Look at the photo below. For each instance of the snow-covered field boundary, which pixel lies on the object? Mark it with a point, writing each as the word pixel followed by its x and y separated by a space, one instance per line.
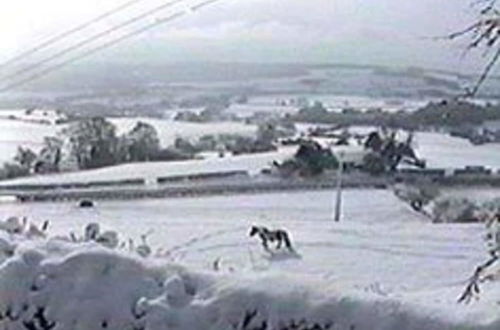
pixel 150 171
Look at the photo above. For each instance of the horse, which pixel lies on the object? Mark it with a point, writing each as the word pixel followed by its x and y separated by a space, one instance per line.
pixel 266 235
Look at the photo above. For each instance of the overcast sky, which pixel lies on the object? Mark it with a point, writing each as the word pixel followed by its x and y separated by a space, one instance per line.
pixel 395 32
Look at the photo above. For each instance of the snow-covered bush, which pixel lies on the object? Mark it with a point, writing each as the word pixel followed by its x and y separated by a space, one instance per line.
pixel 417 195
pixel 14 225
pixel 451 209
pixel 485 271
pixel 493 234
pixel 79 284
pixel 250 322
pixel 86 286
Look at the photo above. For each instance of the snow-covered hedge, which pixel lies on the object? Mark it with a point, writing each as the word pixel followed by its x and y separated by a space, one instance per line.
pixel 451 209
pixel 86 283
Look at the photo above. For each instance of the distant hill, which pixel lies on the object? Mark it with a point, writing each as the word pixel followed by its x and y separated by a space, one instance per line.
pixel 290 78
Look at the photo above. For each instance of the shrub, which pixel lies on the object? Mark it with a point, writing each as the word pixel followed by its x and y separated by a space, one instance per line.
pixel 13 170
pixel 454 209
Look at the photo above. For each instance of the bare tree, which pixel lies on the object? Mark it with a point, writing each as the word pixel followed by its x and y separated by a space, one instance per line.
pixel 480 275
pixel 484 35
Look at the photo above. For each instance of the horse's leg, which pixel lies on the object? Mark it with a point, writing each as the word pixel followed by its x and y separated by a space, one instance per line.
pixel 264 242
pixel 288 243
pixel 266 246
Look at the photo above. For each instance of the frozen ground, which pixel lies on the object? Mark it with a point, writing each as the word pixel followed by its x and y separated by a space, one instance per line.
pixel 339 102
pixel 17 133
pixel 169 130
pixel 444 151
pixel 440 151
pixel 381 267
pixel 14 133
pixel 252 163
pixel 247 110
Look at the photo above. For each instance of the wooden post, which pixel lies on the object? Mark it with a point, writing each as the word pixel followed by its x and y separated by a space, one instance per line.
pixel 338 201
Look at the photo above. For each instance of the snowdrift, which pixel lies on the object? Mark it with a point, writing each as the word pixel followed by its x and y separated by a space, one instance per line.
pixel 56 283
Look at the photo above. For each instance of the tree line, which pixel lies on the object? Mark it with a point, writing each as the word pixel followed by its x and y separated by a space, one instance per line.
pixel 89 144
pixel 438 114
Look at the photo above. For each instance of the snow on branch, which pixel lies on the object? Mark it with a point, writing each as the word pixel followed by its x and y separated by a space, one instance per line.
pixel 472 289
pixel 485 34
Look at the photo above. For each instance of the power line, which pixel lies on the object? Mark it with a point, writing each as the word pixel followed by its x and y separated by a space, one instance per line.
pixel 93 38
pixel 106 45
pixel 68 33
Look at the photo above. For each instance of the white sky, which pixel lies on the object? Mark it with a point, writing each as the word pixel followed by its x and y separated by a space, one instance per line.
pixel 352 31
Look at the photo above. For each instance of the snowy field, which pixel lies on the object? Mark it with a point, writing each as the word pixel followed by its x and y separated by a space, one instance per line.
pixel 439 150
pixel 253 163
pixel 388 268
pixel 15 133
pixel 247 110
pixel 444 151
pixel 169 130
pixel 339 102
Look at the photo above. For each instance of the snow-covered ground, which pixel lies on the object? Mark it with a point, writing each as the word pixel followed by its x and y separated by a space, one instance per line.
pixel 382 267
pixel 169 130
pixel 444 151
pixel 247 110
pixel 14 133
pixel 339 102
pixel 253 163
pixel 41 116
pixel 439 150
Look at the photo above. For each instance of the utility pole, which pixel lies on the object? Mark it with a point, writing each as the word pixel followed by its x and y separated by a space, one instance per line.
pixel 338 201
